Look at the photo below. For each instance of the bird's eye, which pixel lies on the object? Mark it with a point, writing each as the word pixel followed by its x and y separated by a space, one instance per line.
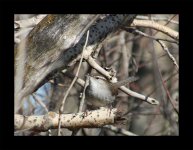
pixel 97 77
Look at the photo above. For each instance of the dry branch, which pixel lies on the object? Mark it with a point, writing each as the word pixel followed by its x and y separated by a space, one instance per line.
pixel 120 130
pixel 92 62
pixel 71 85
pixel 151 24
pixel 91 119
pixel 160 18
pixel 165 48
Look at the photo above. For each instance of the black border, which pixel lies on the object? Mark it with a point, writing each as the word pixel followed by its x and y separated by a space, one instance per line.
pixel 183 7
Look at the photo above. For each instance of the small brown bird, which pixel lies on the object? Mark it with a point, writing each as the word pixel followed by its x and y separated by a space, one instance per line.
pixel 100 92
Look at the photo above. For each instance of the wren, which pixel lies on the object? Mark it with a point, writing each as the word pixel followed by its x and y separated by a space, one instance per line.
pixel 101 93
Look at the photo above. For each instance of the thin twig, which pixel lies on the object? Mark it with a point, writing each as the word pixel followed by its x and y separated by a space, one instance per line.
pixel 169 54
pixel 83 95
pixel 135 31
pixel 40 102
pixel 80 109
pixel 44 106
pixel 170 98
pixel 120 130
pixel 138 32
pixel 74 80
pixel 92 62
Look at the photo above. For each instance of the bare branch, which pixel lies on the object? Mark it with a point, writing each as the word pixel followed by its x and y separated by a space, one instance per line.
pixel 40 102
pixel 159 41
pixel 91 62
pixel 151 24
pixel 91 119
pixel 162 18
pixel 74 80
pixel 138 32
pixel 169 54
pixel 83 95
pixel 119 130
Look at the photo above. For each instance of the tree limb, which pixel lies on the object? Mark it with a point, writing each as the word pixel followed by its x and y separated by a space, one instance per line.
pixel 91 119
pixel 151 24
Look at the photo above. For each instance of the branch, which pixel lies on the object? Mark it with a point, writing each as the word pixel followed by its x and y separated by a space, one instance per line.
pixel 151 24
pixel 120 130
pixel 138 32
pixel 160 18
pixel 91 119
pixel 91 62
pixel 80 109
pixel 74 80
pixel 40 102
pixel 165 48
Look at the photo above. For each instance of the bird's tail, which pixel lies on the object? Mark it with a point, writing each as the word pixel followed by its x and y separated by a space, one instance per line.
pixel 126 81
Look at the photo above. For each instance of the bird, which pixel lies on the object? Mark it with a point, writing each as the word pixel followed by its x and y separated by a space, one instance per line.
pixel 101 93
